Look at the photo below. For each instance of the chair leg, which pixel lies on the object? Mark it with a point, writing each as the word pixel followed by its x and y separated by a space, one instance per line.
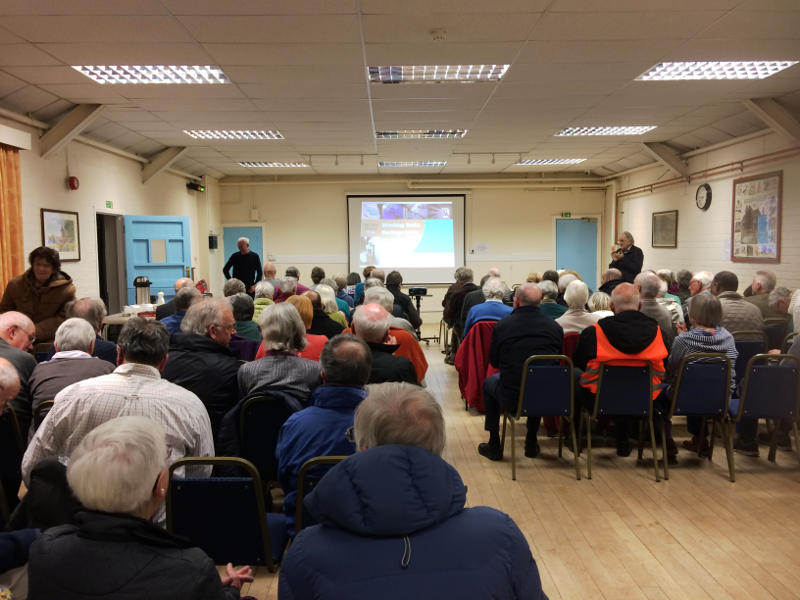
pixel 503 435
pixel 575 448
pixel 640 451
pixel 580 433
pixel 711 439
pixel 773 442
pixel 653 444
pixel 727 433
pixel 588 446
pixel 796 439
pixel 513 448
pixel 560 440
pixel 664 449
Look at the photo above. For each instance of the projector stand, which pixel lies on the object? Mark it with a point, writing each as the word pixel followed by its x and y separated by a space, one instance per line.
pixel 427 340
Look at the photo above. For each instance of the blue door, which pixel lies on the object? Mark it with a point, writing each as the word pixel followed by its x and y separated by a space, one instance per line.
pixel 158 247
pixel 576 248
pixel 231 234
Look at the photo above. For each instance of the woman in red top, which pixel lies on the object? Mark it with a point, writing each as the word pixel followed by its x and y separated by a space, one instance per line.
pixel 315 342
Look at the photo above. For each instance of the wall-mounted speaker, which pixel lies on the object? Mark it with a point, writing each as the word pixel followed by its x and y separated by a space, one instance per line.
pixel 213 242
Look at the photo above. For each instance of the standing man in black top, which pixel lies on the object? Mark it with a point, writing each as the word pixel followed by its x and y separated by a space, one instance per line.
pixel 627 258
pixel 246 266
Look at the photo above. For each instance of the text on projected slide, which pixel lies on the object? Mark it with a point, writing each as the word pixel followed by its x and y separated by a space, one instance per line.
pixel 411 234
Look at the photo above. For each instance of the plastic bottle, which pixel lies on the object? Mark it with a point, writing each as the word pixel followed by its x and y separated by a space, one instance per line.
pixel 160 300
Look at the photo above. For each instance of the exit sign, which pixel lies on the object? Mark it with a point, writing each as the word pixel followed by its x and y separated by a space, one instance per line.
pixel 109 204
pixel 566 215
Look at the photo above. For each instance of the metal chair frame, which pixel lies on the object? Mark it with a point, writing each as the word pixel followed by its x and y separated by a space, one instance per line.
pixel 787 342
pixel 302 484
pixel 527 369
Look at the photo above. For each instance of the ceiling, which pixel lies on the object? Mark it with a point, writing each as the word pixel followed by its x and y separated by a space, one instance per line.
pixel 299 66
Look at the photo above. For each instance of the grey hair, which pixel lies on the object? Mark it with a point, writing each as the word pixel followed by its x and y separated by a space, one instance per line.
pixel 264 289
pixel 15 318
pixel 346 360
pixel 399 413
pixel 705 309
pixel 767 280
pixel 292 272
pixel 662 287
pixel 242 306
pixel 684 277
pixel 379 295
pixel 778 294
pixel 628 235
pixel 463 274
pixel 185 297
pixel 143 341
pixel 330 283
pixel 115 465
pixel 233 286
pixel 648 283
pixel 92 310
pixel 243 239
pixel 704 277
pixel 493 289
pixel 288 284
pixel 9 380
pixel 369 330
pixel 373 282
pixel 282 328
pixel 599 301
pixel 564 281
pixel 204 314
pixel 327 298
pixel 576 294
pixel 75 334
pixel 549 289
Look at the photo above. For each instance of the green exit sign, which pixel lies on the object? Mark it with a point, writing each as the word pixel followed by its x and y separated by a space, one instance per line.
pixel 566 215
pixel 109 204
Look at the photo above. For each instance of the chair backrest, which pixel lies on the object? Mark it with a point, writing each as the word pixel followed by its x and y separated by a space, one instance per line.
pixel 312 471
pixel 569 343
pixel 225 516
pixel 260 422
pixel 624 390
pixel 41 412
pixel 771 389
pixel 748 344
pixel 775 329
pixel 787 342
pixel 703 385
pixel 548 387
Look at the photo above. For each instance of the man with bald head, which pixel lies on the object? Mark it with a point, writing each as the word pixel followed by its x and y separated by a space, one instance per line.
pixel 17 335
pixel 524 332
pixel 627 336
pixel 271 274
pixel 371 323
pixel 168 309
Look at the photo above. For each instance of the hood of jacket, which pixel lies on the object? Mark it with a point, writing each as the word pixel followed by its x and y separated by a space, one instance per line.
pixel 58 279
pixel 337 396
pixel 388 491
pixel 629 331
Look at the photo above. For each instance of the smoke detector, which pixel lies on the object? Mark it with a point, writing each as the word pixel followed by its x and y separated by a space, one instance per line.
pixel 438 34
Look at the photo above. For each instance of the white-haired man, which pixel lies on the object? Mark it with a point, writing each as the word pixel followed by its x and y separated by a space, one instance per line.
pixel 371 323
pixel 492 308
pixel 627 258
pixel 9 382
pixel 395 490
pixel 246 265
pixel 649 284
pixel 17 334
pixel 168 308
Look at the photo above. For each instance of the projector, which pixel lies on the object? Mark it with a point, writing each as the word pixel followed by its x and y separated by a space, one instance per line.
pixel 417 291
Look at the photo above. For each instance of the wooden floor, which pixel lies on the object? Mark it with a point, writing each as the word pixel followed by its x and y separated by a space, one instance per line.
pixel 621 534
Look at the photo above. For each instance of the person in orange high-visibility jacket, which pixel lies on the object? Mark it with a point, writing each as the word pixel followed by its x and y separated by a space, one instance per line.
pixel 627 338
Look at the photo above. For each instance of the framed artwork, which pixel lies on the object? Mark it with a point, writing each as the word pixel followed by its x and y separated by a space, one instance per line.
pixel 61 232
pixel 665 229
pixel 756 220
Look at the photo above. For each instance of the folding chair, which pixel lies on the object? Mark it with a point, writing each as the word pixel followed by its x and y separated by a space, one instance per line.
pixel 703 389
pixel 787 342
pixel 771 391
pixel 625 391
pixel 547 389
pixel 260 422
pixel 748 344
pixel 41 413
pixel 225 516
pixel 312 471
pixel 568 345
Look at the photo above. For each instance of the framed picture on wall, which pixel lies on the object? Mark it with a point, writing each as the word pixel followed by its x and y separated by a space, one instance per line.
pixel 756 221
pixel 60 231
pixel 665 229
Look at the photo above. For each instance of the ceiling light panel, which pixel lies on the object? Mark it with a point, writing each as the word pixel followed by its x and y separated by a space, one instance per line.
pixel 273 165
pixel 436 73
pixel 672 71
pixel 548 161
pixel 417 134
pixel 607 130
pixel 233 134
pixel 417 163
pixel 148 74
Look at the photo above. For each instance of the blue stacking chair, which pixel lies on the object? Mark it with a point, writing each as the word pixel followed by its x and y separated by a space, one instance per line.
pixel 625 391
pixel 748 344
pixel 260 422
pixel 703 389
pixel 312 471
pixel 775 330
pixel 771 391
pixel 226 516
pixel 548 390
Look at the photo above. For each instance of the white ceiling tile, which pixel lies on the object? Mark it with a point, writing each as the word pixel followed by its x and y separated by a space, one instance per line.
pixel 757 25
pixel 74 28
pixel 53 110
pixel 9 84
pixel 739 48
pixel 28 99
pixel 285 54
pixel 127 53
pixel 81 7
pixel 71 91
pixel 276 29
pixel 640 5
pixel 450 53
pixel 331 74
pixel 259 7
pixel 146 147
pixel 46 75
pixel 591 50
pixel 195 105
pixel 459 27
pixel 24 54
pixel 6 37
pixel 305 89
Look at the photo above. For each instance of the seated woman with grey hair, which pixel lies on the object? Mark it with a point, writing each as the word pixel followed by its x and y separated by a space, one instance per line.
pixel 577 318
pixel 492 309
pixel 284 336
pixel 119 473
pixel 549 307
pixel 243 309
pixel 327 297
pixel 600 304
pixel 263 297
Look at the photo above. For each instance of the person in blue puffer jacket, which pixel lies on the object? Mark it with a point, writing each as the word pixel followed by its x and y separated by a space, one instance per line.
pixel 393 524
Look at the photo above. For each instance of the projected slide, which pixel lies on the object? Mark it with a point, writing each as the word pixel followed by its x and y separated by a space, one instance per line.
pixel 414 234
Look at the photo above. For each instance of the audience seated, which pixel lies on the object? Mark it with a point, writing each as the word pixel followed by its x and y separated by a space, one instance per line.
pixel 287 287
pixel 168 308
pixel 629 336
pixel 270 275
pixel 371 323
pixel 317 275
pixel 472 298
pixel 737 313
pixel 320 429
pixel 700 284
pixel 669 284
pixel 200 359
pixel 343 290
pixel 358 292
pixel 93 310
pixel 600 304
pixel 72 362
pixel 17 334
pixel 233 286
pixel 648 284
pixel 611 279
pixel 577 318
pixel 564 279
pixel 281 368
pixel 294 273
pixel 398 488
pixel 394 283
pixel 112 471
pixel 327 298
pixel 341 304
pixel 526 331
pixel 548 306
pixel 463 278
pixel 264 291
pixel 184 298
pixel 492 309
pixel 682 281
pixel 322 323
pixel 243 310
pixel 763 283
pixel 9 383
pixel 671 304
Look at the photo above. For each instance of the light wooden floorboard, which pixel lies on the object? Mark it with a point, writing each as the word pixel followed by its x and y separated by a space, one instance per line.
pixel 621 534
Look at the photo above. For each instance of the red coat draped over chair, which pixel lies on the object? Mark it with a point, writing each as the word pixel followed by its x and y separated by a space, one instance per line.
pixel 472 363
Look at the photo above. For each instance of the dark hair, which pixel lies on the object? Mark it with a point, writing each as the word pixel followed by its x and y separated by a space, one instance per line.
pixel 684 278
pixel 727 281
pixel 242 306
pixel 143 341
pixel 316 302
pixel 293 272
pixel 184 297
pixel 353 278
pixel 317 274
pixel 706 310
pixel 48 254
pixel 346 360
pixel 550 275
pixel 394 279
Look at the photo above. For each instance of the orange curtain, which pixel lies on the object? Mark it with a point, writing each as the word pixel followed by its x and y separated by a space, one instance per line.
pixel 12 259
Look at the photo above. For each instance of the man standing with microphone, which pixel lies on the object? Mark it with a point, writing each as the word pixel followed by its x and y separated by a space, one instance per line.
pixel 627 258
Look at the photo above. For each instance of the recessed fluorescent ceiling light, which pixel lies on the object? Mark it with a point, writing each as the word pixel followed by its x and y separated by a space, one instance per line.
pixel 756 69
pixel 418 163
pixel 548 161
pixel 436 73
pixel 276 165
pixel 233 134
pixel 124 74
pixel 613 130
pixel 421 134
